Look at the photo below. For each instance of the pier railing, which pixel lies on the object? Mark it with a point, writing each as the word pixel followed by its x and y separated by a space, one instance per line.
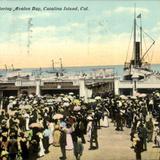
pixel 27 83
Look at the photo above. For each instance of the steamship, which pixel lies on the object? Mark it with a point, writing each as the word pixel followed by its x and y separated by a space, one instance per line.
pixel 138 76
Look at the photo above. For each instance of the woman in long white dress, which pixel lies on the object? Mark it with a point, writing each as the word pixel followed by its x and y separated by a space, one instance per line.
pixel 27 117
pixel 104 120
pixel 157 136
pixel 69 140
pixel 89 128
pixel 42 150
pixel 51 128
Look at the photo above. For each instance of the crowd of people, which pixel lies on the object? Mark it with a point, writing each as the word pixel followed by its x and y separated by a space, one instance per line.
pixel 142 115
pixel 29 124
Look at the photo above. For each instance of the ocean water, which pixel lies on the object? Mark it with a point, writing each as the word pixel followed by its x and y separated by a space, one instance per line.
pixel 117 69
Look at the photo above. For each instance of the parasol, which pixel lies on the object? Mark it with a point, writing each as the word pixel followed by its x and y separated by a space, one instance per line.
pixel 57 116
pixel 98 98
pixel 65 99
pixel 77 108
pixel 31 96
pixel 71 93
pixel 142 95
pixel 11 97
pixel 65 104
pixel 133 97
pixel 36 125
pixel 70 97
pixel 123 97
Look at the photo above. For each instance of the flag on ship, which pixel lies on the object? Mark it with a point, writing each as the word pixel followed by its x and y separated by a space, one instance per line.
pixel 139 16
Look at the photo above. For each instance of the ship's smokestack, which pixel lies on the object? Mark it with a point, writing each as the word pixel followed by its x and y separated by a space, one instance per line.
pixel 137 55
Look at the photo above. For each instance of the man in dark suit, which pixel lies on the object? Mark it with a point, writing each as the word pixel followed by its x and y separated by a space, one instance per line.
pixel 149 127
pixel 63 143
pixel 138 149
pixel 142 133
pixel 94 135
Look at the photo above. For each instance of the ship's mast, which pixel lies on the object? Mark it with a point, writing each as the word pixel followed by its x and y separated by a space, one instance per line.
pixel 52 64
pixel 61 66
pixel 134 41
pixel 140 37
pixel 6 67
pixel 12 67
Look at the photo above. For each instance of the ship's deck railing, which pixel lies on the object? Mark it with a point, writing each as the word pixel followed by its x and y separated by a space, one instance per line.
pixel 148 85
pixel 139 84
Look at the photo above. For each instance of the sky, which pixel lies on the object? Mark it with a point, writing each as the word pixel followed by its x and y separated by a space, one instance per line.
pixel 97 33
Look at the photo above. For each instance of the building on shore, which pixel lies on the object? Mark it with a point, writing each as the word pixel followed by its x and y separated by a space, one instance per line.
pixel 83 87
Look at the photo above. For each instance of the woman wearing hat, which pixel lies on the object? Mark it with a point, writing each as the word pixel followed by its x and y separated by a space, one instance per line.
pixel 89 127
pixel 69 140
pixel 56 135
